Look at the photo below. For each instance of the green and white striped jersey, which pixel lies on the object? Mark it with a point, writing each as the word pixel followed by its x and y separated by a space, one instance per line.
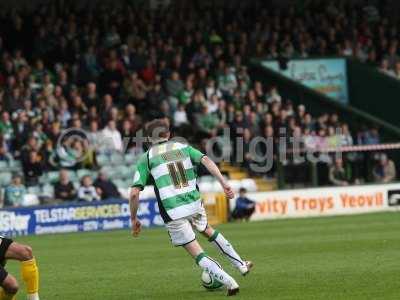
pixel 171 168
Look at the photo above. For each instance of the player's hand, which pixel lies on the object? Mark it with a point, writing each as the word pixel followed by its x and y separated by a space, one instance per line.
pixel 228 191
pixel 136 227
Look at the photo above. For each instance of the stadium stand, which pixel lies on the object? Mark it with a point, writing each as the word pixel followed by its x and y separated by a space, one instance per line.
pixel 111 67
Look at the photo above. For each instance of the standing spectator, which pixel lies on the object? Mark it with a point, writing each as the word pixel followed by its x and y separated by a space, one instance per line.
pixel 64 189
pixel 338 174
pixel 385 170
pixel 14 193
pixel 33 168
pixel 244 206
pixel 105 187
pixel 87 191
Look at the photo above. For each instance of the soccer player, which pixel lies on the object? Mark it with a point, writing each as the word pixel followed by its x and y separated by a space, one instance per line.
pixel 29 270
pixel 171 167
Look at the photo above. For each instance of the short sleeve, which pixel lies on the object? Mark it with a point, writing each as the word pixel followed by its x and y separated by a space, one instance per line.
pixel 142 173
pixel 195 155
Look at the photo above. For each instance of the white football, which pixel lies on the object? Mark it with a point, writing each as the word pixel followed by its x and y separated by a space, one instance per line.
pixel 210 282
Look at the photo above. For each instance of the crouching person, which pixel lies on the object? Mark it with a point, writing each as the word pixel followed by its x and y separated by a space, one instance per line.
pixel 244 206
pixel 10 250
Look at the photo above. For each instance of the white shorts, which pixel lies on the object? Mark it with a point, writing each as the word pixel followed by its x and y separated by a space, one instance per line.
pixel 181 230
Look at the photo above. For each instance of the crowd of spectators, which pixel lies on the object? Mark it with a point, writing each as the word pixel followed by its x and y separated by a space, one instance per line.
pixel 109 69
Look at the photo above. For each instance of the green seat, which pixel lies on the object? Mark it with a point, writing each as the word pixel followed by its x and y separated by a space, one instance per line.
pixel 48 190
pixel 117 159
pixel 84 172
pixel 3 166
pixel 130 158
pixel 118 182
pixel 124 171
pixel 44 179
pixel 128 182
pixel 206 178
pixel 72 175
pixel 53 176
pixel 5 178
pixel 111 172
pixel 76 185
pixel 102 160
pixel 14 165
pixel 34 190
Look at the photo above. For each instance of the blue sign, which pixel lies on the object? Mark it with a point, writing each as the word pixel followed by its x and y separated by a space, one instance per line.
pixel 327 76
pixel 76 217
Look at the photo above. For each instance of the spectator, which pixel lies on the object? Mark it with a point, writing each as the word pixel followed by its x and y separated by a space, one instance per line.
pixel 112 137
pixel 207 122
pixel 33 168
pixel 105 187
pixel 338 175
pixel 174 85
pixel 385 68
pixel 4 155
pixel 385 170
pixel 64 189
pixel 368 136
pixel 87 191
pixel 244 206
pixel 6 128
pixel 180 116
pixel 227 82
pixel 14 193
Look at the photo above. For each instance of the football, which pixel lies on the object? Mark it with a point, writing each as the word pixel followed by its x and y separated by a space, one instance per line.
pixel 209 282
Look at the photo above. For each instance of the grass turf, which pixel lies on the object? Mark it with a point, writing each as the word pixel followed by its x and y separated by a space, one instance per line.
pixel 352 257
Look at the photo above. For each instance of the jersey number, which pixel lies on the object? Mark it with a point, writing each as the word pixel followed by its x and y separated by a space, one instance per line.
pixel 178 175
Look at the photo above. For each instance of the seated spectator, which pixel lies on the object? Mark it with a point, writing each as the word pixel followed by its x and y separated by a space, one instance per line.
pixel 105 187
pixel 385 170
pixel 338 174
pixel 227 81
pixel 244 206
pixel 87 191
pixel 373 137
pixel 180 116
pixel 112 137
pixel 14 193
pixel 207 122
pixel 64 189
pixel 4 155
pixel 33 168
pixel 174 85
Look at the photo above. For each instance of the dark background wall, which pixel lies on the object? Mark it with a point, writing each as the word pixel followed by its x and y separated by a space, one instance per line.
pixel 374 92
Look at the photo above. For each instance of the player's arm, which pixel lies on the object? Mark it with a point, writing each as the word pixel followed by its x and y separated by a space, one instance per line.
pixel 198 157
pixel 214 170
pixel 139 182
pixel 134 205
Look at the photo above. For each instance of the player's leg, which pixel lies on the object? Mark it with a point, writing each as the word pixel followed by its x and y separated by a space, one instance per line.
pixel 211 266
pixel 182 234
pixel 9 285
pixel 199 221
pixel 29 268
pixel 226 249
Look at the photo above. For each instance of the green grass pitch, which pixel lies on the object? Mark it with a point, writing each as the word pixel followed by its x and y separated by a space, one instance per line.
pixel 352 257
